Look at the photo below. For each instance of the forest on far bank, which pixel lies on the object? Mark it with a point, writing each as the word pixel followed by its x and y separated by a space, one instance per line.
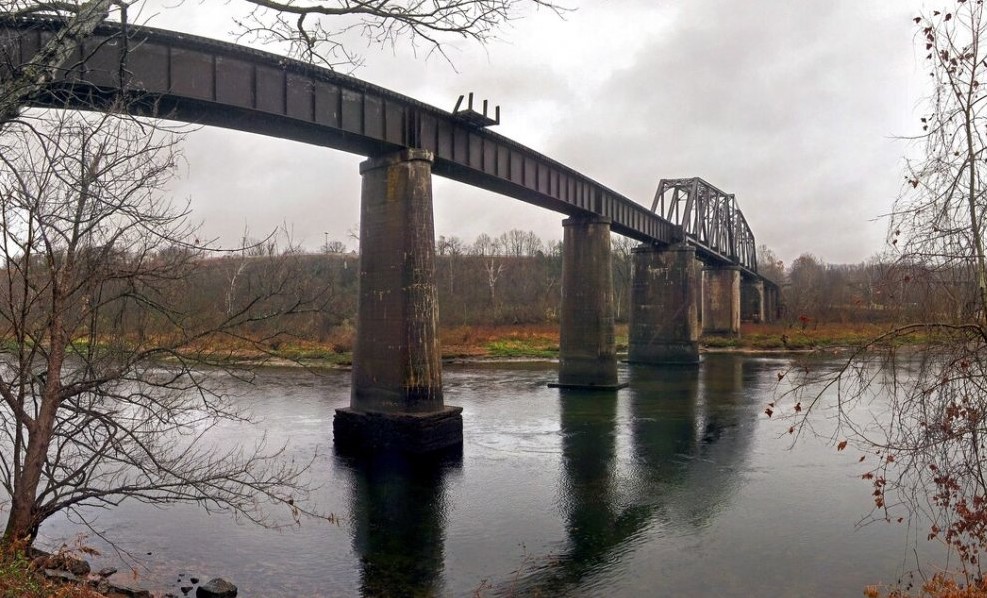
pixel 514 279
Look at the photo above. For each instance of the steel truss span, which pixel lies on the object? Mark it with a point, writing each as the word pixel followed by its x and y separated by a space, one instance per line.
pixel 710 218
pixel 182 77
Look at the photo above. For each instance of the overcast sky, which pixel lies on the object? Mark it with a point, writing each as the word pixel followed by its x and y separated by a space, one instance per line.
pixel 795 106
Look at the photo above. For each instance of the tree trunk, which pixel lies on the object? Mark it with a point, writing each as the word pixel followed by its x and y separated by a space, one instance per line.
pixel 40 70
pixel 25 518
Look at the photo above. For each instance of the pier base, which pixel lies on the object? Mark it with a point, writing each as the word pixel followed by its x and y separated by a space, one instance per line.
pixel 360 431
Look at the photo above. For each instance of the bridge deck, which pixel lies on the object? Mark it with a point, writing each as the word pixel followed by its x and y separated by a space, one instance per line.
pixel 194 79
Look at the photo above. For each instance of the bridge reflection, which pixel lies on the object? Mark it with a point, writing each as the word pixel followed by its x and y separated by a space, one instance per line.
pixel 398 510
pixel 664 458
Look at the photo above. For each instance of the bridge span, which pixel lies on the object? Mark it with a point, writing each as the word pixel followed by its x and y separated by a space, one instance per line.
pixel 697 258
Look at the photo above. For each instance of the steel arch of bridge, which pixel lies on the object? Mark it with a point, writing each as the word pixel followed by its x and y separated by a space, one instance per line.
pixel 709 217
pixel 183 77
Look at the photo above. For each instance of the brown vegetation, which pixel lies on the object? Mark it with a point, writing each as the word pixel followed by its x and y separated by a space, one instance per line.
pixel 20 579
pixel 500 297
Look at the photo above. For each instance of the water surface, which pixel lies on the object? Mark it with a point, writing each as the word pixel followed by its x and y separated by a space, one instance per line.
pixel 675 486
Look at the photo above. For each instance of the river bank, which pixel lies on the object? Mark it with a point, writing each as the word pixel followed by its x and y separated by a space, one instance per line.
pixel 464 344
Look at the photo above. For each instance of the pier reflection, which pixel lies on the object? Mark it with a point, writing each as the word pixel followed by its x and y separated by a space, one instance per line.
pixel 662 455
pixel 398 508
pixel 588 492
pixel 692 435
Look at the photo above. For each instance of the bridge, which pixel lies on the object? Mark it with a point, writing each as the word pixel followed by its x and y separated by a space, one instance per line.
pixel 696 262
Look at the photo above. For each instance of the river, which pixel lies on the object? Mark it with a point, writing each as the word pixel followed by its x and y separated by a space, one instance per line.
pixel 678 485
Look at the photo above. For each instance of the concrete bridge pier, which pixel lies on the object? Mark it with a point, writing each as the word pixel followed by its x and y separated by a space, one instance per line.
pixel 396 400
pixel 772 309
pixel 699 267
pixel 664 325
pixel 587 347
pixel 721 301
pixel 752 301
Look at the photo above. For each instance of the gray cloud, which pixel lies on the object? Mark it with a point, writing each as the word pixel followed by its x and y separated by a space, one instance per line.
pixel 792 105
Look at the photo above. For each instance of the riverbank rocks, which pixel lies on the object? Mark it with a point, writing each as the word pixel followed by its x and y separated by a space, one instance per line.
pixel 117 590
pixel 216 588
pixel 61 561
pixel 65 568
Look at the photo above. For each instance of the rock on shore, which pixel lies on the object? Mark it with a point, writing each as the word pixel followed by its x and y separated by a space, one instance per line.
pixel 216 588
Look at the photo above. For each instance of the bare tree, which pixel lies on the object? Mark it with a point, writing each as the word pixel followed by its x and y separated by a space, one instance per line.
pixel 519 243
pixel 335 246
pixel 623 268
pixel 494 268
pixel 24 83
pixel 926 447
pixel 314 30
pixel 102 393
pixel 805 294
pixel 483 246
pixel 452 246
pixel 769 266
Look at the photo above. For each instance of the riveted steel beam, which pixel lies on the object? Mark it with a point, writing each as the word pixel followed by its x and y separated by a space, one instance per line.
pixel 183 77
pixel 710 219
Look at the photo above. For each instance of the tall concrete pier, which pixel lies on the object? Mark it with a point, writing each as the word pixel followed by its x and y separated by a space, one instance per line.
pixel 396 400
pixel 664 326
pixel 721 301
pixel 772 307
pixel 587 347
pixel 752 304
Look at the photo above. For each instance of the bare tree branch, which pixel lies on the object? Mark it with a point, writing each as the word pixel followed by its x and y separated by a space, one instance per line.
pixel 103 350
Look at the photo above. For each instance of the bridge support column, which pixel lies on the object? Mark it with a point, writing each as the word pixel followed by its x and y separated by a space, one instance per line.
pixel 587 348
pixel 752 301
pixel 396 400
pixel 699 267
pixel 721 301
pixel 771 307
pixel 664 325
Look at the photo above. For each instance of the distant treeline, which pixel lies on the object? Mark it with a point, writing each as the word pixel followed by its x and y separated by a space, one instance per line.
pixel 879 290
pixel 516 278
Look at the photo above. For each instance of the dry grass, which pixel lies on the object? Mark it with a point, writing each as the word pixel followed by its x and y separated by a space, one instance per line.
pixel 530 340
pixel 18 580
pixel 779 336
pixel 941 585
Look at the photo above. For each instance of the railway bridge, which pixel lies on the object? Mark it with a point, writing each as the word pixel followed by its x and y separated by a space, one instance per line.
pixel 696 261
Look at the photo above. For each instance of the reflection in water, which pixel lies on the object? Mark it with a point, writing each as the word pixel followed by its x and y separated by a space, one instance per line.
pixel 678 418
pixel 399 508
pixel 668 416
pixel 665 488
pixel 692 435
pixel 589 486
